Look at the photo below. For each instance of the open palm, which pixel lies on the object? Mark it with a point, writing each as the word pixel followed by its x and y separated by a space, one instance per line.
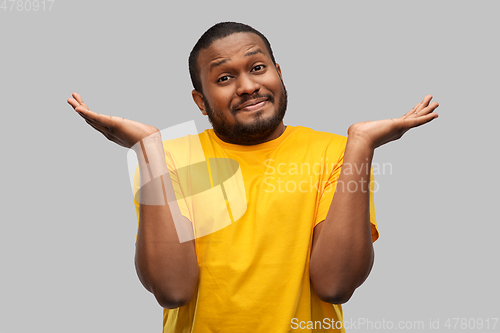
pixel 122 131
pixel 380 132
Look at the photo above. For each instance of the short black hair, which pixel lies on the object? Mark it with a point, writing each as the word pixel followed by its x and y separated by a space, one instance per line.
pixel 216 32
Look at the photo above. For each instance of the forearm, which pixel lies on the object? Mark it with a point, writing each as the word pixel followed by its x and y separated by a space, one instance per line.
pixel 165 266
pixel 342 256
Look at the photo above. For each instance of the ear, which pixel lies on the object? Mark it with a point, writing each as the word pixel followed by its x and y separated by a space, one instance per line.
pixel 278 69
pixel 198 99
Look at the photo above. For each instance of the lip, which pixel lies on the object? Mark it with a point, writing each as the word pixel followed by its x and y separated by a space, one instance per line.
pixel 253 104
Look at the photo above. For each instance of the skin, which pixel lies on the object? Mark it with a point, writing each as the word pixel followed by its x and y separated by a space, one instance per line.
pixel 342 251
pixel 237 71
pixel 166 267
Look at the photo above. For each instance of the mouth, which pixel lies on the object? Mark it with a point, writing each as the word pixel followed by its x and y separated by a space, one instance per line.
pixel 252 105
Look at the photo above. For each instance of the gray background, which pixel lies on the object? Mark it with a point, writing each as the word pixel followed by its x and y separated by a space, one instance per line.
pixel 68 220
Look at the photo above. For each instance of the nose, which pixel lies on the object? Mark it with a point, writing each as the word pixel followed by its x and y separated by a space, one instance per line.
pixel 246 84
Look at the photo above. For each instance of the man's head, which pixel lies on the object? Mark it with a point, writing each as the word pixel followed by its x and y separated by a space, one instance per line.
pixel 238 84
pixel 216 32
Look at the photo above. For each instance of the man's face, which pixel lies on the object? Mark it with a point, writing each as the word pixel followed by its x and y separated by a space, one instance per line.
pixel 243 93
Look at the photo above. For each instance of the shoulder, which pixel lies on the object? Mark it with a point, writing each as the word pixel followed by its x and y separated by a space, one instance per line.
pixel 186 140
pixel 313 137
pixel 184 150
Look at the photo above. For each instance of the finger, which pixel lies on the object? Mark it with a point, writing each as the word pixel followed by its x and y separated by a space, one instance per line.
pixel 428 109
pixel 417 110
pixel 95 123
pixel 73 102
pixel 77 97
pixel 99 128
pixel 424 103
pixel 108 121
pixel 79 100
pixel 423 119
pixel 93 120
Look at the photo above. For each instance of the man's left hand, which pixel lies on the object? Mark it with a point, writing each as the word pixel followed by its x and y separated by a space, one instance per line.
pixel 380 132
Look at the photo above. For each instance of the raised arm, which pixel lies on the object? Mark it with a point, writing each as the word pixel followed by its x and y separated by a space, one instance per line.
pixel 166 267
pixel 342 251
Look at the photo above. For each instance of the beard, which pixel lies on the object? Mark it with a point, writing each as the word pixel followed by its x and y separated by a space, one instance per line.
pixel 246 134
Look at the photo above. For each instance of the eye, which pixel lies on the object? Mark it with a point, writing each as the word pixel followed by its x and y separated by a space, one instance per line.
pixel 258 68
pixel 223 78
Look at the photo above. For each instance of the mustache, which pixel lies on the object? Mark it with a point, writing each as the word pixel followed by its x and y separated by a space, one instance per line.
pixel 247 98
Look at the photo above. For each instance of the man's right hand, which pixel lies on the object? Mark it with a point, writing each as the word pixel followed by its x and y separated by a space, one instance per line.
pixel 165 266
pixel 122 131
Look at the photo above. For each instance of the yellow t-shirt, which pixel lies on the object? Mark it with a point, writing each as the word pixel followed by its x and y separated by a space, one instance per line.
pixel 254 271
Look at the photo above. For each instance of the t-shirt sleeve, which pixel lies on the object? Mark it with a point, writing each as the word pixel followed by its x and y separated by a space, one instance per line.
pixel 328 191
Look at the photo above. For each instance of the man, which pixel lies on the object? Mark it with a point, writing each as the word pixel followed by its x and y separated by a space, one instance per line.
pixel 304 242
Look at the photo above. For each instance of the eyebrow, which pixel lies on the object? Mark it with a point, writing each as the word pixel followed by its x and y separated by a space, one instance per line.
pixel 218 63
pixel 222 61
pixel 254 52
